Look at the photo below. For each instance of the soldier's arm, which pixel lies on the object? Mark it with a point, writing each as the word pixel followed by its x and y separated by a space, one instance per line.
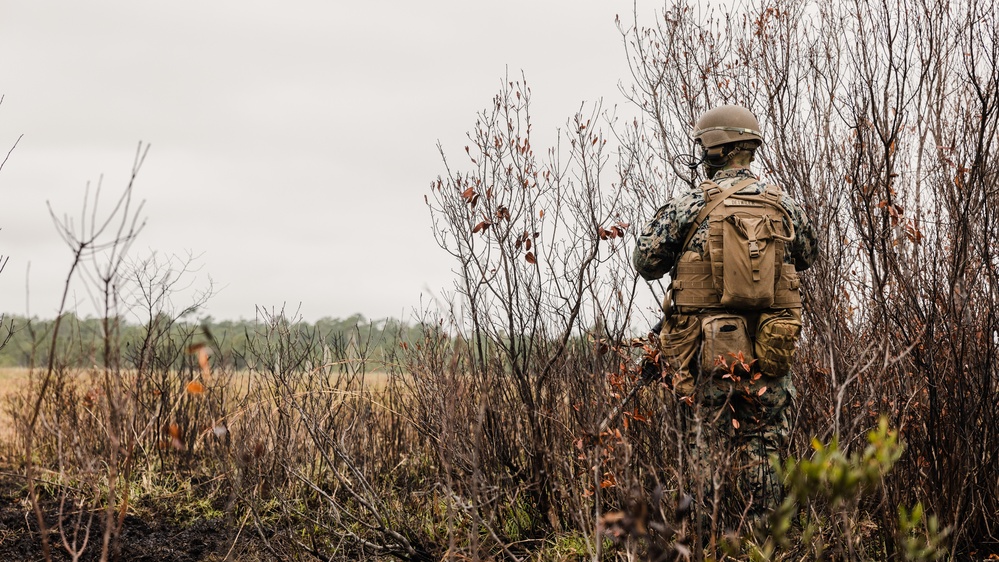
pixel 656 249
pixel 805 247
pixel 660 242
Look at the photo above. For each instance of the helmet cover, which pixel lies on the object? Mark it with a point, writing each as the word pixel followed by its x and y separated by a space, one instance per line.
pixel 727 124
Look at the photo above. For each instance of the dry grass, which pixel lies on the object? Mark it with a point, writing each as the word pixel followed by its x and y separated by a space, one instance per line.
pixel 12 379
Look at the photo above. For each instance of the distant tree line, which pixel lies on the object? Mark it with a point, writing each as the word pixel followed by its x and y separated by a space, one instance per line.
pixel 30 342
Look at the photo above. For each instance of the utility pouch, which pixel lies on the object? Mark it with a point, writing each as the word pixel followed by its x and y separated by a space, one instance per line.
pixel 776 339
pixel 726 345
pixel 678 341
pixel 747 262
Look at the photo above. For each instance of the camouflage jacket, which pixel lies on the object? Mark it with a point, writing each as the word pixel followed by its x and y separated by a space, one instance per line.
pixel 659 243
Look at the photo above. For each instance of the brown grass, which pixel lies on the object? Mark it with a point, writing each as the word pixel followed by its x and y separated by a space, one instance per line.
pixel 12 379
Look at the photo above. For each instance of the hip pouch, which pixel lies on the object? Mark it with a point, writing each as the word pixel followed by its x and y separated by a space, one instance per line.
pixel 727 347
pixel 776 339
pixel 678 341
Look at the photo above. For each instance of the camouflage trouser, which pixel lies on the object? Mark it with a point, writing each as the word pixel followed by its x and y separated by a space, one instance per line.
pixel 734 421
pixel 730 443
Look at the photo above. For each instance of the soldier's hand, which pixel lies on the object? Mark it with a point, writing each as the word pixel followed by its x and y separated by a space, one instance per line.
pixel 651 370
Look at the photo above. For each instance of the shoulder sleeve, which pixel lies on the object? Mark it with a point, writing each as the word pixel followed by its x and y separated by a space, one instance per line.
pixel 805 247
pixel 659 243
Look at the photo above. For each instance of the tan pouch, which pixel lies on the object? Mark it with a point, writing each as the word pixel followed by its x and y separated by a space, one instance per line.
pixel 748 281
pixel 777 336
pixel 726 342
pixel 678 341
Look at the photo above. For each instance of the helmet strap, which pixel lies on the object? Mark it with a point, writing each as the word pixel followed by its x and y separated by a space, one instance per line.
pixel 718 157
pixel 714 159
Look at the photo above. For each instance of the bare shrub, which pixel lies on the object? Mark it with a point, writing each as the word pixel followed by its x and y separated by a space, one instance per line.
pixel 102 417
pixel 881 117
pixel 511 426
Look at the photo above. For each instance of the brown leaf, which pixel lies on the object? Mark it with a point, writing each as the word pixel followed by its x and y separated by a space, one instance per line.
pixel 206 370
pixel 481 226
pixel 530 258
pixel 195 387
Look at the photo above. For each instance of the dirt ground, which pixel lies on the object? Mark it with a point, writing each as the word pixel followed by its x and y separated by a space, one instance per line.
pixel 151 539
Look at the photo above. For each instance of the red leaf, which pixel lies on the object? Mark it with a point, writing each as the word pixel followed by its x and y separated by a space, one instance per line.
pixel 530 258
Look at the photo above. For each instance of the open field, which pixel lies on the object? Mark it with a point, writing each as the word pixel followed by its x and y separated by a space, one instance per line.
pixel 12 379
pixel 175 512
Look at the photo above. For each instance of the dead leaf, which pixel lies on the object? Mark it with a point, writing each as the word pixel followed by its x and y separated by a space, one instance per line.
pixel 530 258
pixel 195 387
pixel 174 431
pixel 206 370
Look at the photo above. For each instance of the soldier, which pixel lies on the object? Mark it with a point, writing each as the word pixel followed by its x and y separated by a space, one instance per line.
pixel 732 248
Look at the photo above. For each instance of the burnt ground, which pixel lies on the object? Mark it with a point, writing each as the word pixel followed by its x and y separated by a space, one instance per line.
pixel 151 538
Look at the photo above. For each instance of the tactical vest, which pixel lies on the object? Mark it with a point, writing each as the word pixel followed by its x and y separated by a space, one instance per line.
pixel 745 269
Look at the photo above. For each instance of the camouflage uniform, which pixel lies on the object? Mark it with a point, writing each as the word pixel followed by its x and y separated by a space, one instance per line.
pixel 659 244
pixel 738 423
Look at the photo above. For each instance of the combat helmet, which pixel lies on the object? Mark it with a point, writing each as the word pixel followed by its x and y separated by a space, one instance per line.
pixel 727 124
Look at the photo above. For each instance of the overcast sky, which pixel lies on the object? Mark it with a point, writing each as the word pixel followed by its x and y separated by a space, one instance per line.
pixel 291 143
